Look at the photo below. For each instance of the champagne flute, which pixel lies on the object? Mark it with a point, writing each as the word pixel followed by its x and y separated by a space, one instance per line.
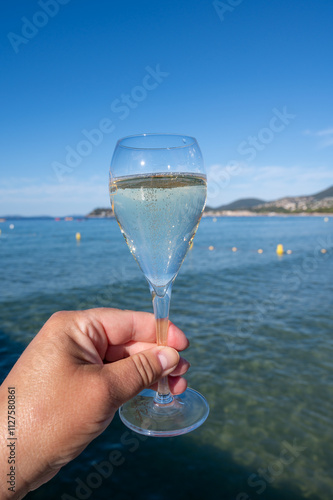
pixel 158 192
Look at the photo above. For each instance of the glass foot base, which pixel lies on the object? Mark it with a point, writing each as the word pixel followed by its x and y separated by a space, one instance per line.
pixel 185 413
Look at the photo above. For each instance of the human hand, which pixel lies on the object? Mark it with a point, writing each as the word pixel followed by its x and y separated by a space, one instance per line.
pixel 73 377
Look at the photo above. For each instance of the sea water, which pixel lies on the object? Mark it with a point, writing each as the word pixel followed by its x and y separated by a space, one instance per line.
pixel 260 328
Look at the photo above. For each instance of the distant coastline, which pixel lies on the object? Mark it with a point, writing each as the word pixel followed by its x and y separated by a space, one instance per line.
pixel 316 205
pixel 104 214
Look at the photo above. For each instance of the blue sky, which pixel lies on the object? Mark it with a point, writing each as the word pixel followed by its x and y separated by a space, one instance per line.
pixel 252 80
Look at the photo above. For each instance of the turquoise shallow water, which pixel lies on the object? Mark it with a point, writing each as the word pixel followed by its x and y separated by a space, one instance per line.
pixel 261 352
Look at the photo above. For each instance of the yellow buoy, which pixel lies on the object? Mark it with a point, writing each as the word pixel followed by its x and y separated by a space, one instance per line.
pixel 326 219
pixel 214 219
pixel 78 236
pixel 279 249
pixel 323 250
pixel 260 250
pixel 211 248
pixel 234 249
pixel 289 252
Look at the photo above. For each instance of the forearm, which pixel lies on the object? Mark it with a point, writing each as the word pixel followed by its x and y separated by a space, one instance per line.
pixel 12 485
pixel 24 462
pixel 23 467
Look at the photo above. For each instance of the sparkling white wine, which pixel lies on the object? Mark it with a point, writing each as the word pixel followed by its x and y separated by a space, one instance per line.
pixel 158 216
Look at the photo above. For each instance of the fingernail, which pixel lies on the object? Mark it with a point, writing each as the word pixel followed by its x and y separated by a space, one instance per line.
pixel 168 358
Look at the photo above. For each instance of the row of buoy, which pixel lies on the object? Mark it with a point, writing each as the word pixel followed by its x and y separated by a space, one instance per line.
pixel 77 236
pixel 279 250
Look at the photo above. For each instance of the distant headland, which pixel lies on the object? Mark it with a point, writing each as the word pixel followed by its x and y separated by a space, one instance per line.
pixel 319 203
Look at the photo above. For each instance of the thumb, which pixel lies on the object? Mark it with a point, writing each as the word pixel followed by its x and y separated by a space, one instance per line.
pixel 129 376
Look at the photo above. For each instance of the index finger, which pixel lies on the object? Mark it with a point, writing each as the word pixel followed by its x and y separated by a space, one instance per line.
pixel 126 326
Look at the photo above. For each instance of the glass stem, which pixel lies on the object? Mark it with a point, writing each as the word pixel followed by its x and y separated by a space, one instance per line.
pixel 161 305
